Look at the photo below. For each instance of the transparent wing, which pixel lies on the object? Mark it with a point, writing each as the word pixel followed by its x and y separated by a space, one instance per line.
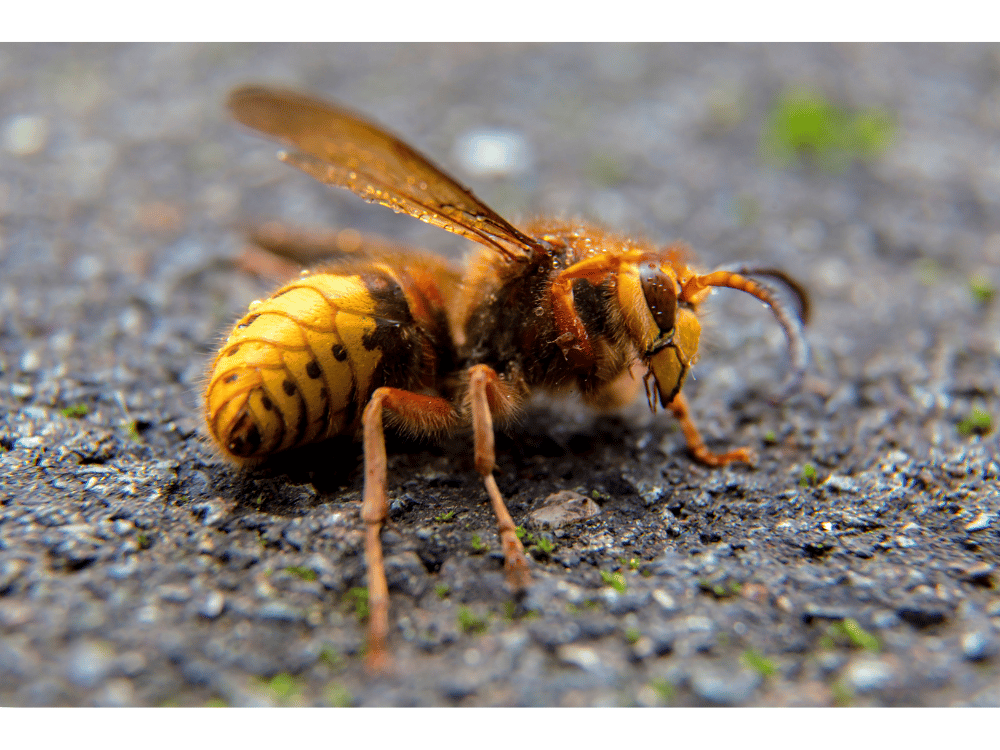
pixel 341 148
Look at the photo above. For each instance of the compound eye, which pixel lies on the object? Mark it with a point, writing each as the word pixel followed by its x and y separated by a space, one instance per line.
pixel 661 296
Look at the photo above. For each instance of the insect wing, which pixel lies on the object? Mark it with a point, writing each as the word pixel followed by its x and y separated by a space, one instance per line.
pixel 341 148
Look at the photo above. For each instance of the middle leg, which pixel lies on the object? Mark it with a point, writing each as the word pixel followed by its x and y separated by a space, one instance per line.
pixel 485 387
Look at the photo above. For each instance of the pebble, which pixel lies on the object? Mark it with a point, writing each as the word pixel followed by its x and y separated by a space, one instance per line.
pixel 88 664
pixel 16 660
pixel 31 361
pixel 980 572
pixel 24 135
pixel 922 615
pixel 885 619
pixel 841 483
pixel 980 522
pixel 564 508
pixel 866 675
pixel 406 573
pixel 124 570
pixel 213 605
pixel 212 512
pixel 666 601
pixel 725 687
pixel 620 603
pixel 583 657
pixel 979 646
pixel 812 611
pixel 21 391
pixel 10 571
pixel 551 635
pixel 117 693
pixel 279 611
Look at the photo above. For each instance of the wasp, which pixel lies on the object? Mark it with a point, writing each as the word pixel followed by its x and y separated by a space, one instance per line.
pixel 392 335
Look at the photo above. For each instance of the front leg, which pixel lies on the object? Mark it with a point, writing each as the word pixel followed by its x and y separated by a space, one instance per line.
pixel 679 408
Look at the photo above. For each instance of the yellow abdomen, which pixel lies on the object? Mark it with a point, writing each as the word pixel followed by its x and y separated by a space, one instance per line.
pixel 296 368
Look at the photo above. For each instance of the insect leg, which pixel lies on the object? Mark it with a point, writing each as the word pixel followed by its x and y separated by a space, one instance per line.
pixel 700 451
pixel 420 413
pixel 574 336
pixel 485 386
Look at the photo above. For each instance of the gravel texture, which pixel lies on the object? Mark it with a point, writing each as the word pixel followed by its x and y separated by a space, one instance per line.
pixel 856 563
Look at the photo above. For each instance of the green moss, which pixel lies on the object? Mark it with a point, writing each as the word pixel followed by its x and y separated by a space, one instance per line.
pixel 977 422
pixel 803 124
pixel 842 695
pixel 808 476
pixel 981 288
pixel 509 610
pixel 758 662
pixel 331 657
pixel 615 580
pixel 216 702
pixel 770 438
pixel 859 636
pixel 632 635
pixel 132 430
pixel 539 545
pixel 306 574
pixel 471 623
pixel 665 691
pixel 338 696
pixel 442 590
pixel 358 599
pixel 478 545
pixel 544 546
pixel 720 589
pixel 445 517
pixel 77 411
pixel 849 632
pixel 284 687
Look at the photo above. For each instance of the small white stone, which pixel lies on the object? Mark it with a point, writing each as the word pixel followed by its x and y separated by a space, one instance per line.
pixel 980 522
pixel 31 360
pixel 24 135
pixel 665 600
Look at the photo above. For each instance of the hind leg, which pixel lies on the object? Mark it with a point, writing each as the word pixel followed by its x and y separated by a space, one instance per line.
pixel 423 414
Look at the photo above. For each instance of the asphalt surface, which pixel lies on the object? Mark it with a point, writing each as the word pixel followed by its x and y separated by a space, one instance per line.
pixel 855 564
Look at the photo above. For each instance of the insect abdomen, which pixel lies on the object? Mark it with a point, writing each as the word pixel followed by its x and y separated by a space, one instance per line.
pixel 295 368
